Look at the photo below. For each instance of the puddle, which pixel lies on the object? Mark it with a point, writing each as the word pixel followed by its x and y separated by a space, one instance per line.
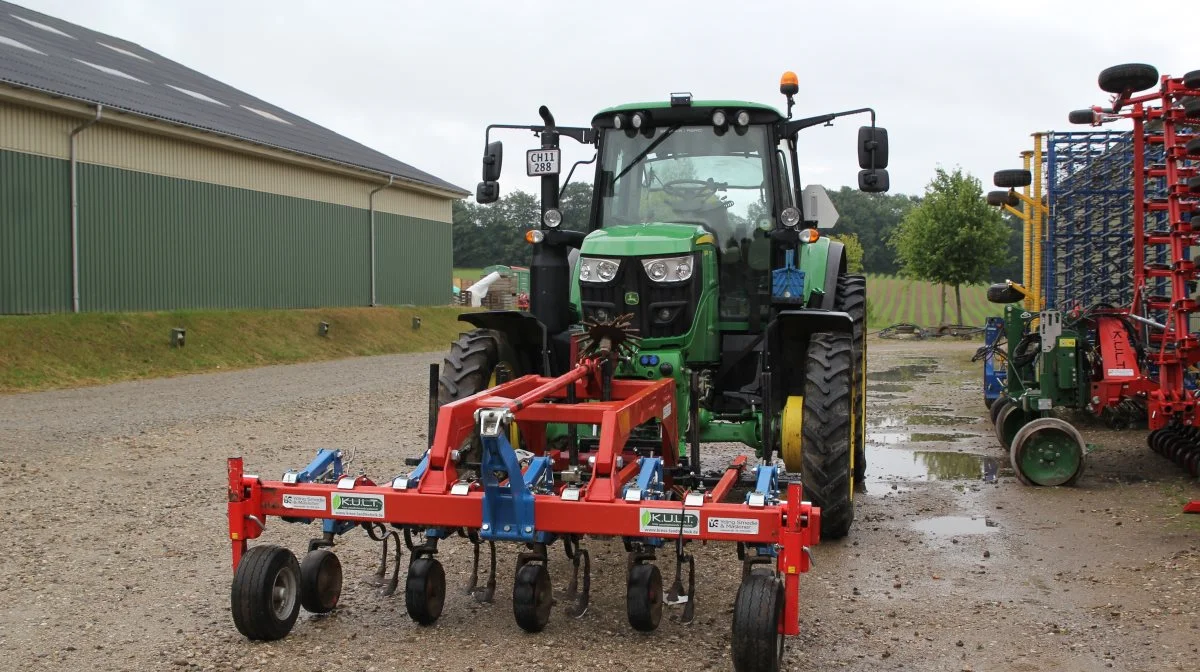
pixel 904 371
pixel 919 420
pixel 888 387
pixel 887 465
pixel 884 396
pixel 893 438
pixel 955 525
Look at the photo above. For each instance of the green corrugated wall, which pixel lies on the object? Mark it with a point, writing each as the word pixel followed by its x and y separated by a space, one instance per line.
pixel 149 242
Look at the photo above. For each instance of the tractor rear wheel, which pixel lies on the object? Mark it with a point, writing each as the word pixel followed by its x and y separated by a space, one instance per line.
pixel 826 454
pixel 852 299
pixel 478 360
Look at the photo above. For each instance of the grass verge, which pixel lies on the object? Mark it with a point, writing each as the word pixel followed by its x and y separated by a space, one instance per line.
pixel 39 352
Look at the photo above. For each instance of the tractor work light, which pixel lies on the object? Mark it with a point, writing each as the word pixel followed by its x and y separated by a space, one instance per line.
pixel 638 120
pixel 790 217
pixel 534 236
pixel 742 118
pixel 552 218
pixel 597 269
pixel 618 121
pixel 809 236
pixel 719 119
pixel 669 269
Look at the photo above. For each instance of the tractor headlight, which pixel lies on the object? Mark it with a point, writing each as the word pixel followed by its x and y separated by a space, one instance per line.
pixel 596 269
pixel 669 269
pixel 790 217
pixel 552 218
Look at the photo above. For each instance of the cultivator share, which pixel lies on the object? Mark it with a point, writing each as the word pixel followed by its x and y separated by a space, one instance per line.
pixel 698 302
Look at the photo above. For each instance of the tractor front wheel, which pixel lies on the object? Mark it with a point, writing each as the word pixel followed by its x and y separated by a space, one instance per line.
pixel 852 299
pixel 828 397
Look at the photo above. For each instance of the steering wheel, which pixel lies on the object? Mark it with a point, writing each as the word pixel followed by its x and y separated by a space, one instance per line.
pixel 690 188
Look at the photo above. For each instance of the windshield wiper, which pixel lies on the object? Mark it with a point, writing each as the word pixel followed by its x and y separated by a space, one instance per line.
pixel 638 159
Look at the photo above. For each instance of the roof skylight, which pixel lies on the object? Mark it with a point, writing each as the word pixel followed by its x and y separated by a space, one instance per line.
pixel 35 24
pixel 127 52
pixel 19 45
pixel 112 71
pixel 266 115
pixel 196 95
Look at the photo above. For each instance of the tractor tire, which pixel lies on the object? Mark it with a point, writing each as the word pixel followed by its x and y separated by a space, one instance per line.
pixel 1128 78
pixel 1002 292
pixel 1191 107
pixel 828 395
pixel 1193 147
pixel 477 360
pixel 1192 80
pixel 852 299
pixel 1082 117
pixel 1009 179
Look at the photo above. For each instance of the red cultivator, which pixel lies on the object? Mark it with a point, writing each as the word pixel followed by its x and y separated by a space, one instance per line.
pixel 618 480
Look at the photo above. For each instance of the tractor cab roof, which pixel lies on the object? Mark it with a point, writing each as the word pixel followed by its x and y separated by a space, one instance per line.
pixel 694 112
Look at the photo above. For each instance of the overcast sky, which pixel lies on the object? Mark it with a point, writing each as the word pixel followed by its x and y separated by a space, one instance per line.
pixel 956 82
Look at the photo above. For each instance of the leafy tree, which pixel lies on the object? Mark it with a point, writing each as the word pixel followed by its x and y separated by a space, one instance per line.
pixel 873 218
pixel 953 237
pixel 854 252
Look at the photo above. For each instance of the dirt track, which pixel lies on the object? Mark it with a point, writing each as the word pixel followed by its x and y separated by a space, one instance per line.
pixel 116 556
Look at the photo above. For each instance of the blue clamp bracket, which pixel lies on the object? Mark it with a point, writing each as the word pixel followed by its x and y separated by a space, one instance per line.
pixel 766 489
pixel 326 466
pixel 649 482
pixel 507 506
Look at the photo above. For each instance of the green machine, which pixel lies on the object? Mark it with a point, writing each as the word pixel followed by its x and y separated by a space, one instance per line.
pixel 1048 369
pixel 706 260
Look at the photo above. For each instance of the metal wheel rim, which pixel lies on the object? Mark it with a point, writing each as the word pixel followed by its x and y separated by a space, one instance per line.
pixel 1048 452
pixel 284 593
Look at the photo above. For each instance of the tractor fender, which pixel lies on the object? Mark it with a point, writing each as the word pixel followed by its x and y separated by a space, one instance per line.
pixel 835 265
pixel 524 333
pixel 797 325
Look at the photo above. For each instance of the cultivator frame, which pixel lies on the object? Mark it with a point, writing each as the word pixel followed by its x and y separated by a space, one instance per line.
pixel 535 497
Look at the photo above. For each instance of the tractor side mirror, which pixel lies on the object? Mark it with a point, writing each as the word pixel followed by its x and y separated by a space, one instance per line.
pixel 493 159
pixel 487 192
pixel 872 147
pixel 873 181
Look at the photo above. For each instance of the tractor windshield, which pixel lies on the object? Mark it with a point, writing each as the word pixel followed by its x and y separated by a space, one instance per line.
pixel 690 175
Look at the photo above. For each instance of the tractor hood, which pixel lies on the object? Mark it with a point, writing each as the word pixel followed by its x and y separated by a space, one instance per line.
pixel 645 240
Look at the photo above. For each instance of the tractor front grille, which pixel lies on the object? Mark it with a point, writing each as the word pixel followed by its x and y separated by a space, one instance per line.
pixel 661 310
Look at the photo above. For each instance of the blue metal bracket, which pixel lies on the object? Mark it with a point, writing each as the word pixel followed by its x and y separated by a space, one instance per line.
pixel 507 506
pixel 407 482
pixel 326 466
pixel 993 377
pixel 649 482
pixel 766 490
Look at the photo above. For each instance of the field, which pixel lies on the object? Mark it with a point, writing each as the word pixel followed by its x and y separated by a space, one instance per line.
pixel 893 299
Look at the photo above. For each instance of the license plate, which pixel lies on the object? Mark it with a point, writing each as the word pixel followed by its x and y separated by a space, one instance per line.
pixel 542 162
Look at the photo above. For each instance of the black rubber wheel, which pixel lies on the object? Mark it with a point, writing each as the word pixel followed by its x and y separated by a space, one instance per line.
pixel 1193 147
pixel 1194 184
pixel 1082 117
pixel 852 299
pixel 320 581
pixel 987 403
pixel 644 597
pixel 1128 78
pixel 476 361
pixel 997 407
pixel 1191 107
pixel 425 590
pixel 826 433
pixel 1001 198
pixel 757 643
pixel 1002 292
pixel 265 597
pixel 1009 179
pixel 1192 80
pixel 532 597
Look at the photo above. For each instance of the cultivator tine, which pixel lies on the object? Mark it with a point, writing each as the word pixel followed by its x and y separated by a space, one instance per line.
pixel 377 579
pixel 677 595
pixel 485 593
pixel 394 582
pixel 577 600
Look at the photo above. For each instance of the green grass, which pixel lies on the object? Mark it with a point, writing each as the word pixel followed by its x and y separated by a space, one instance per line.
pixel 40 352
pixel 893 300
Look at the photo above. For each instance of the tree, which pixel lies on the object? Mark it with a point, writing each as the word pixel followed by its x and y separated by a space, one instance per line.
pixel 854 252
pixel 873 218
pixel 952 237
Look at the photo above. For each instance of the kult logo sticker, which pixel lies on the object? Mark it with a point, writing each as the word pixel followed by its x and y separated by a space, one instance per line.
pixel 361 506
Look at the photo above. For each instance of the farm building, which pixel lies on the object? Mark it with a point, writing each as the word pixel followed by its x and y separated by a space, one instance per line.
pixel 130 182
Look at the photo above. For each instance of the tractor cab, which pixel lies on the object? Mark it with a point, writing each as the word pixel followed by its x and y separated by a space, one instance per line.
pixel 704 259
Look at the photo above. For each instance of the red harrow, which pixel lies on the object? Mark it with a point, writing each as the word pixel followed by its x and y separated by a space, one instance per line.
pixel 473 482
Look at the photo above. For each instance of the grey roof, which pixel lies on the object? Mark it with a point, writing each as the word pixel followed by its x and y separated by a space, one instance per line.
pixel 47 54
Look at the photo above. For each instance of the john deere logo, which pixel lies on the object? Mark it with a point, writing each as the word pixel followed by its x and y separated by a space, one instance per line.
pixel 363 506
pixel 631 298
pixel 668 521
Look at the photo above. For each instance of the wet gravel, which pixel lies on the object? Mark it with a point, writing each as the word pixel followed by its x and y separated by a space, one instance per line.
pixel 116 555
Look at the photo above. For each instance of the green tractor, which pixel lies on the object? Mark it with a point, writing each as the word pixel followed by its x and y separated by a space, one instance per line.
pixel 702 246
